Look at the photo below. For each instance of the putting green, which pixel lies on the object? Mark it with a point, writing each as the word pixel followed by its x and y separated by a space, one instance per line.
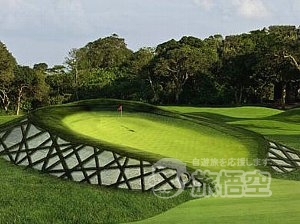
pixel 166 136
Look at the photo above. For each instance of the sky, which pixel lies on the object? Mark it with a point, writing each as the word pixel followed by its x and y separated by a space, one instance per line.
pixel 46 30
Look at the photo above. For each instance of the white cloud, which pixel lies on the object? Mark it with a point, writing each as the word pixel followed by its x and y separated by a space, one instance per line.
pixel 251 8
pixel 14 13
pixel 68 15
pixel 11 4
pixel 205 4
pixel 43 18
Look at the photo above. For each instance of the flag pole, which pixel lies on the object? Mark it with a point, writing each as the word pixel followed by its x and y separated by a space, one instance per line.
pixel 120 108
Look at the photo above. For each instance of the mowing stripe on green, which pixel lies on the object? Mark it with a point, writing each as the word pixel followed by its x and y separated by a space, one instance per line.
pixel 169 137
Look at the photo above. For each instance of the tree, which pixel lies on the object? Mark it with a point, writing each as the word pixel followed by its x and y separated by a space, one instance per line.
pixel 29 86
pixel 72 62
pixel 203 88
pixel 139 68
pixel 7 65
pixel 238 59
pixel 93 82
pixel 61 84
pixel 278 55
pixel 100 59
pixel 40 66
pixel 40 87
pixel 107 53
pixel 176 63
pixel 24 78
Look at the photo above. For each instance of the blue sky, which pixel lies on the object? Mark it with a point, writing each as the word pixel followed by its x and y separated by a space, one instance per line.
pixel 45 30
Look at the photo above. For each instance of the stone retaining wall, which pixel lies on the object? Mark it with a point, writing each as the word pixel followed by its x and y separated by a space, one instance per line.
pixel 283 159
pixel 28 145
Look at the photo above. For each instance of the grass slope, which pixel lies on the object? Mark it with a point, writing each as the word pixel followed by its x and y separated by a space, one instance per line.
pixel 283 127
pixel 27 196
pixel 7 118
pixel 282 207
pixel 284 204
pixel 233 112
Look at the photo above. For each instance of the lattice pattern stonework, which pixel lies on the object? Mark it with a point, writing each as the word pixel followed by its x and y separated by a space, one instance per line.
pixel 28 145
pixel 283 159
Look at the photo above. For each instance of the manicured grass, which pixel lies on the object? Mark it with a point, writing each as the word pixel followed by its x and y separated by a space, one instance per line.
pixel 282 207
pixel 276 125
pixel 284 204
pixel 287 133
pixel 233 112
pixel 27 196
pixel 167 136
pixel 4 119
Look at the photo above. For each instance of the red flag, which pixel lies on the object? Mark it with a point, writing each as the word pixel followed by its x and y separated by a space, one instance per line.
pixel 120 108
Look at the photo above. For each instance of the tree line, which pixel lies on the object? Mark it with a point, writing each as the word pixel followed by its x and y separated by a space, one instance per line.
pixel 259 67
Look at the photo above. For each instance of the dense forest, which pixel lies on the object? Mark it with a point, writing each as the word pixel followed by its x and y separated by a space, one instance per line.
pixel 259 67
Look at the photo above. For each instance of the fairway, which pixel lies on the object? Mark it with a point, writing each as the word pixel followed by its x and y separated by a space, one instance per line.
pixel 276 125
pixel 282 207
pixel 244 112
pixel 167 136
pixel 287 133
pixel 284 204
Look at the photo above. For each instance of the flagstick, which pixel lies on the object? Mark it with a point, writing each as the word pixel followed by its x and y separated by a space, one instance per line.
pixel 120 108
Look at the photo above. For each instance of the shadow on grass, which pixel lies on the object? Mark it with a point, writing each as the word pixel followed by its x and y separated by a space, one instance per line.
pixel 290 116
pixel 258 126
pixel 214 116
pixel 288 140
pixel 294 175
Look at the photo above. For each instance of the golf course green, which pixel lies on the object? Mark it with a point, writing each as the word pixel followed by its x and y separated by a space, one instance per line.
pixel 166 136
pixel 184 133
